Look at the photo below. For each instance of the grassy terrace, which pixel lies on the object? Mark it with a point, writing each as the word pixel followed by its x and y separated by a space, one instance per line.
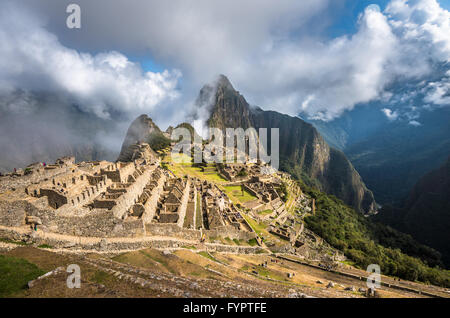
pixel 181 165
pixel 15 273
pixel 238 195
pixel 265 212
pixel 259 228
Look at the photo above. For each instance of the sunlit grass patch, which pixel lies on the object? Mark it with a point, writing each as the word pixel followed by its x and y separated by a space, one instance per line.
pixel 15 273
pixel 239 193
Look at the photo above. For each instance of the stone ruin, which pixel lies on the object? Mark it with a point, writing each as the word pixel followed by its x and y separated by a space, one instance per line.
pixel 115 199
pixel 218 210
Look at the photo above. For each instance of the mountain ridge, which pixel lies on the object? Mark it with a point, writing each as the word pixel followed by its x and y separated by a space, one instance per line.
pixel 310 157
pixel 425 214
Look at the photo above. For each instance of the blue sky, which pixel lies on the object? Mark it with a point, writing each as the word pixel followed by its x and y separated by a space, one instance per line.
pixel 345 19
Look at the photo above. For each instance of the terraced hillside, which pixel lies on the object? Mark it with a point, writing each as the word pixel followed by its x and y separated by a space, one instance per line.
pixel 190 273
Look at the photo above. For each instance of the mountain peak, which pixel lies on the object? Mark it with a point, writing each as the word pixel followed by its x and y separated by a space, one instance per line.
pixel 142 130
pixel 224 82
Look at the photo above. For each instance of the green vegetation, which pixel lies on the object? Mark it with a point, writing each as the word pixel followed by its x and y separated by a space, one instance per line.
pixel 159 259
pixel 189 247
pixel 239 193
pixel 45 246
pixel 242 173
pixel 5 240
pixel 283 192
pixel 158 141
pixel 181 165
pixel 265 212
pixel 252 242
pixel 367 243
pixel 191 129
pixel 209 256
pixel 15 273
pixel 100 277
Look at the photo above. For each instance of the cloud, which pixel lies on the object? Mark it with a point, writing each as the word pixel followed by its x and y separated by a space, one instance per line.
pixel 438 93
pixel 423 27
pixel 415 123
pixel 270 52
pixel 32 59
pixel 57 101
pixel 204 38
pixel 391 115
pixel 322 79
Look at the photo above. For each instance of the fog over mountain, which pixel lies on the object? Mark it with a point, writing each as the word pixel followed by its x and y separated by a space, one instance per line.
pixel 134 57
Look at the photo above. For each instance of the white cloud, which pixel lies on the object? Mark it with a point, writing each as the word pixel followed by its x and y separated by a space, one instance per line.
pixel 391 115
pixel 438 93
pixel 415 123
pixel 423 24
pixel 32 59
pixel 266 50
pixel 339 73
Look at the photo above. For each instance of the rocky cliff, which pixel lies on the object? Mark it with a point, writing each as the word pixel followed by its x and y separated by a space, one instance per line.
pixel 303 151
pixel 142 130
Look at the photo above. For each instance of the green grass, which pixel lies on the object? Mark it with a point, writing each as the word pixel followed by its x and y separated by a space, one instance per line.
pixel 265 212
pixel 45 246
pixel 252 242
pixel 100 277
pixel 189 247
pixel 213 238
pixel 159 260
pixel 5 240
pixel 15 273
pixel 181 165
pixel 207 255
pixel 259 228
pixel 235 192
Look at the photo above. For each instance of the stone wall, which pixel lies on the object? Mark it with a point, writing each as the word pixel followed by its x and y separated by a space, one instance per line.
pixel 55 200
pixel 96 224
pixel 112 245
pixel 226 231
pixel 99 224
pixel 12 213
pixel 251 191
pixel 184 202
pixel 88 194
pixel 229 231
pixel 152 202
pixel 172 230
pixel 132 195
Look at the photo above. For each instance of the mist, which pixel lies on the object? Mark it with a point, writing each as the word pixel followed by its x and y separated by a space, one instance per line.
pixel 66 91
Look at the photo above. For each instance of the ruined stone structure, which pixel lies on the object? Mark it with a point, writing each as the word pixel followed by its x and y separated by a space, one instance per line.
pixel 136 198
pixel 218 210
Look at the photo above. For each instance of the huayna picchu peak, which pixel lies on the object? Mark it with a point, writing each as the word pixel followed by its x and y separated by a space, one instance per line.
pixel 303 151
